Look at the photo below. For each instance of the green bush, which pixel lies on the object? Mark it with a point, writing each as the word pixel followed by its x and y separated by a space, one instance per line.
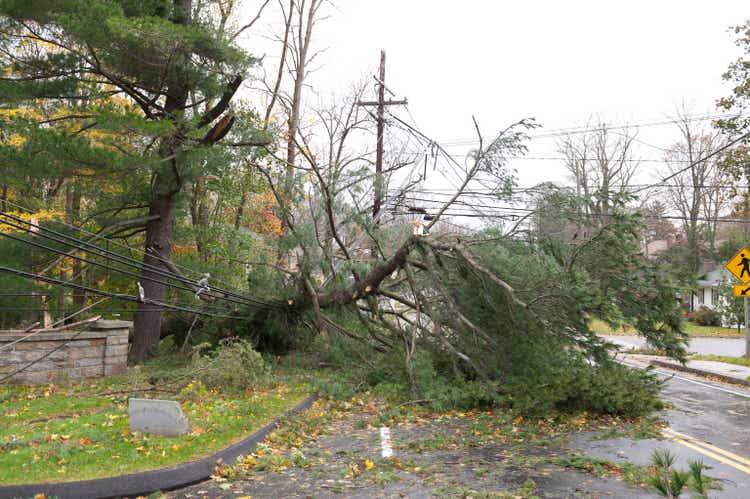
pixel 705 317
pixel 234 365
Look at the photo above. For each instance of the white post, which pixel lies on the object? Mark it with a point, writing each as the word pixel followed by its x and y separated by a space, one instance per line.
pixel 747 330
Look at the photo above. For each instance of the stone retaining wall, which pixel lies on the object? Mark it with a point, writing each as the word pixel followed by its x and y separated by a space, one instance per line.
pixel 101 350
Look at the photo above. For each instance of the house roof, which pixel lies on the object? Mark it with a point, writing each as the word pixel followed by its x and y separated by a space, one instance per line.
pixel 714 278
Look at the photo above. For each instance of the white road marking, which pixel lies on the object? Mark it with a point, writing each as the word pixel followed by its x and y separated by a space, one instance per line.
pixel 673 375
pixel 385 441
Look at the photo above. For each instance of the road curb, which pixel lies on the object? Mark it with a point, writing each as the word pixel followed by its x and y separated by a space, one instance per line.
pixel 143 483
pixel 700 372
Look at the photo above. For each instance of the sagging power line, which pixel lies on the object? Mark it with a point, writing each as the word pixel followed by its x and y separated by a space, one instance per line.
pixel 127 261
pixel 117 296
pixel 95 236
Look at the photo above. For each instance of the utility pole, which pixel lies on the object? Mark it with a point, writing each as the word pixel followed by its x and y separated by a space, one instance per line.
pixel 380 103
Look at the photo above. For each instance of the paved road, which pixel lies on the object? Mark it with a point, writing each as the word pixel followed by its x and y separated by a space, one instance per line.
pixel 708 421
pixel 717 346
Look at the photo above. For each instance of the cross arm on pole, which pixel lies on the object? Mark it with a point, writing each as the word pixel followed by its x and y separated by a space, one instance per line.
pixel 389 102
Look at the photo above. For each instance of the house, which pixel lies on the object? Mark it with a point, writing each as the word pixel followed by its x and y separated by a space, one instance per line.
pixel 707 294
pixel 652 248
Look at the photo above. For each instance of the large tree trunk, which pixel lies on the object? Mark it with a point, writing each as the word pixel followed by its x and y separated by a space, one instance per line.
pixel 160 231
pixel 159 237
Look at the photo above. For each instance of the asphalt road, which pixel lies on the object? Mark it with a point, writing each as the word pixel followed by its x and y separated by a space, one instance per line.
pixel 708 421
pixel 716 346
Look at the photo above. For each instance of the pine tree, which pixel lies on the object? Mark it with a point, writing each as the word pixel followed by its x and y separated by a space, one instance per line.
pixel 175 71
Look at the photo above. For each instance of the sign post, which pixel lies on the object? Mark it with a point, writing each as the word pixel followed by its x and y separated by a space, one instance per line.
pixel 739 266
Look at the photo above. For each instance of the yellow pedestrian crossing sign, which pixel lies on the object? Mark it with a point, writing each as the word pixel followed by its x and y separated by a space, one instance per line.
pixel 739 265
pixel 742 290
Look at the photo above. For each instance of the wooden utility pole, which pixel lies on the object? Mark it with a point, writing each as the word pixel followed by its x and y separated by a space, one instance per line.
pixel 380 103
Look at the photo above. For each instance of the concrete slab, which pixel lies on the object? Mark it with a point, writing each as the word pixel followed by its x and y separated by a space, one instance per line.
pixel 159 417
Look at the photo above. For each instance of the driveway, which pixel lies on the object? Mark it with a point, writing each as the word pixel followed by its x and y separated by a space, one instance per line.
pixel 734 347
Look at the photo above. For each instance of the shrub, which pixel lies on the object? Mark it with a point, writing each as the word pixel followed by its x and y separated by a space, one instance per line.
pixel 705 317
pixel 234 365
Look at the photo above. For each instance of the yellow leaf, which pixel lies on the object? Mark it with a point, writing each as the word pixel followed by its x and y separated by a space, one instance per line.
pixel 369 464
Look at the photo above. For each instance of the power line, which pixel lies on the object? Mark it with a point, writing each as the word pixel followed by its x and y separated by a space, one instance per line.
pixel 505 211
pixel 33 294
pixel 98 264
pixel 647 186
pixel 586 129
pixel 433 144
pixel 543 187
pixel 114 242
pixel 117 296
pixel 701 160
pixel 91 262
pixel 80 244
pixel 562 158
pixel 66 309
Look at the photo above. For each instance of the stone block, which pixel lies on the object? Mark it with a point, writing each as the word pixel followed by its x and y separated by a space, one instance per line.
pixel 115 369
pixel 93 371
pixel 33 377
pixel 87 352
pixel 88 362
pixel 116 350
pixel 11 357
pixel 159 417
pixel 61 354
pixel 120 359
pixel 117 340
pixel 44 365
pixel 74 372
pixel 31 355
pixel 109 325
pixel 35 345
pixel 7 368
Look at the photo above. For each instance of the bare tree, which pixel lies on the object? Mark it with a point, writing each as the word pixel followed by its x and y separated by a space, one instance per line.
pixel 298 59
pixel 695 190
pixel 602 164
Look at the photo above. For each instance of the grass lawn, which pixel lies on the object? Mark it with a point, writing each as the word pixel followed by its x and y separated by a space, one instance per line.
pixel 692 329
pixel 740 361
pixel 81 431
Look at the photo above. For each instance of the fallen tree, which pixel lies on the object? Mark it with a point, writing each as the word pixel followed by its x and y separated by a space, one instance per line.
pixel 502 315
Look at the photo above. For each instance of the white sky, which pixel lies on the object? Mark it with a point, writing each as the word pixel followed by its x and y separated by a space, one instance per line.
pixel 560 62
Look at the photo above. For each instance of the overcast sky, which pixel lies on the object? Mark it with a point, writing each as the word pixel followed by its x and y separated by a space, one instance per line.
pixel 560 62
